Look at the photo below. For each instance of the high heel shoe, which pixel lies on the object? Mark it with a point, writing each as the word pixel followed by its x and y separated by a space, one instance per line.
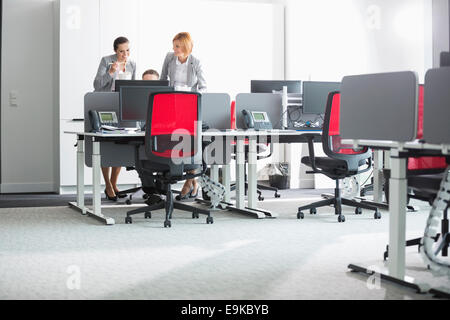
pixel 110 198
pixel 120 195
pixel 186 196
pixel 193 195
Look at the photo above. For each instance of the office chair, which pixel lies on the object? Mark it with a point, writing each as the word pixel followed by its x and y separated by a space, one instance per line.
pixel 418 165
pixel 424 176
pixel 260 148
pixel 171 116
pixel 341 162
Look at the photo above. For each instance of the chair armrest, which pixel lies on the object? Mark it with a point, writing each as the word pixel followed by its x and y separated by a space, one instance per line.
pixel 312 157
pixel 369 166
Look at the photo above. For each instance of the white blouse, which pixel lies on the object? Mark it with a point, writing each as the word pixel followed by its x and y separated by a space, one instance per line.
pixel 180 79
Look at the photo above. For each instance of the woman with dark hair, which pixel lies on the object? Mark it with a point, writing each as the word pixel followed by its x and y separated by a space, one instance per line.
pixel 112 67
pixel 115 66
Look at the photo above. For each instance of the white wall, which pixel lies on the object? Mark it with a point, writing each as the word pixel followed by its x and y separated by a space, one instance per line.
pixel 440 28
pixel 27 131
pixel 327 39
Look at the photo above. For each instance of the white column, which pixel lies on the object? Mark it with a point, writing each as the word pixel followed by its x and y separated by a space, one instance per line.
pixel 226 181
pixel 96 163
pixel 397 217
pixel 240 173
pixel 252 176
pixel 215 173
pixel 80 174
pixel 378 176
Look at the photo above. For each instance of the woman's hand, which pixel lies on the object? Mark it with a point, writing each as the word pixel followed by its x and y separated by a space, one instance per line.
pixel 113 68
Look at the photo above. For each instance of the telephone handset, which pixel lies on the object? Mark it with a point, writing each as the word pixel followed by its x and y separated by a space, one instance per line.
pixel 103 120
pixel 258 120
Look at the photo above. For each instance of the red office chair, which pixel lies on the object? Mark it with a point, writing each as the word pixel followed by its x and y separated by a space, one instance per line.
pixel 424 178
pixel 171 116
pixel 342 161
pixel 419 165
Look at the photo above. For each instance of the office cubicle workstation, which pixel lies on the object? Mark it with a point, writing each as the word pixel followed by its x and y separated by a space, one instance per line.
pixel 395 111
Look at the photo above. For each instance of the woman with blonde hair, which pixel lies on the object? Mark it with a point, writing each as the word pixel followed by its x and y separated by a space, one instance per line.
pixel 184 72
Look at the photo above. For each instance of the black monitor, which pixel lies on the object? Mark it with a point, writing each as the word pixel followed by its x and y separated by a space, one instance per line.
pixel 445 59
pixel 315 95
pixel 269 86
pixel 141 83
pixel 134 101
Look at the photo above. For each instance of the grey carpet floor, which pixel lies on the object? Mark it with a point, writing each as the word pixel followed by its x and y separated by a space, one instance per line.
pixel 57 253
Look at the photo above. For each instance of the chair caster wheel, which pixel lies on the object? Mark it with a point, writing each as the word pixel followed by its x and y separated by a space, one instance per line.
pixel 128 201
pixel 167 223
pixel 277 195
pixel 300 215
pixel 148 215
pixel 260 198
pixel 377 215
pixel 313 211
pixel 195 215
pixel 209 220
pixel 128 220
pixel 358 211
pixel 341 218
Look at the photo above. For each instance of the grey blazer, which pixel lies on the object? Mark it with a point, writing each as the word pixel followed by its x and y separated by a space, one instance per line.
pixel 195 78
pixel 103 80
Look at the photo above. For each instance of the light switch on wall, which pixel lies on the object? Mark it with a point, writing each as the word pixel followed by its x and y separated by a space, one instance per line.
pixel 13 98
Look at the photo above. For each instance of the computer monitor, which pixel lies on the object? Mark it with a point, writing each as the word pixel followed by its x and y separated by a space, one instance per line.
pixel 269 86
pixel 315 95
pixel 134 101
pixel 141 83
pixel 445 59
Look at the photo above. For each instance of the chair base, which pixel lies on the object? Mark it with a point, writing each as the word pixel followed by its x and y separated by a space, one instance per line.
pixel 258 190
pixel 337 203
pixel 443 248
pixel 129 193
pixel 168 204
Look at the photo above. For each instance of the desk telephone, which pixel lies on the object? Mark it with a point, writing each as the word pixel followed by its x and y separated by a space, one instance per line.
pixel 103 120
pixel 258 120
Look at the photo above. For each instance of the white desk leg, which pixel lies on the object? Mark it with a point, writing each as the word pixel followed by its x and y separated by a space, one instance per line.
pixel 80 174
pixel 252 177
pixel 96 161
pixel 96 192
pixel 226 174
pixel 397 217
pixel 214 173
pixel 378 176
pixel 240 173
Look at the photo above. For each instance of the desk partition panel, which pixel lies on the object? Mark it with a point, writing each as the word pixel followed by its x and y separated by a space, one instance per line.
pixel 379 106
pixel 113 155
pixel 216 110
pixel 268 102
pixel 436 106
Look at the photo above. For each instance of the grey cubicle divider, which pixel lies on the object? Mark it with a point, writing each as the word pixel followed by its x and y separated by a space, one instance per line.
pixel 113 155
pixel 268 102
pixel 436 106
pixel 216 113
pixel 379 106
pixel 216 110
